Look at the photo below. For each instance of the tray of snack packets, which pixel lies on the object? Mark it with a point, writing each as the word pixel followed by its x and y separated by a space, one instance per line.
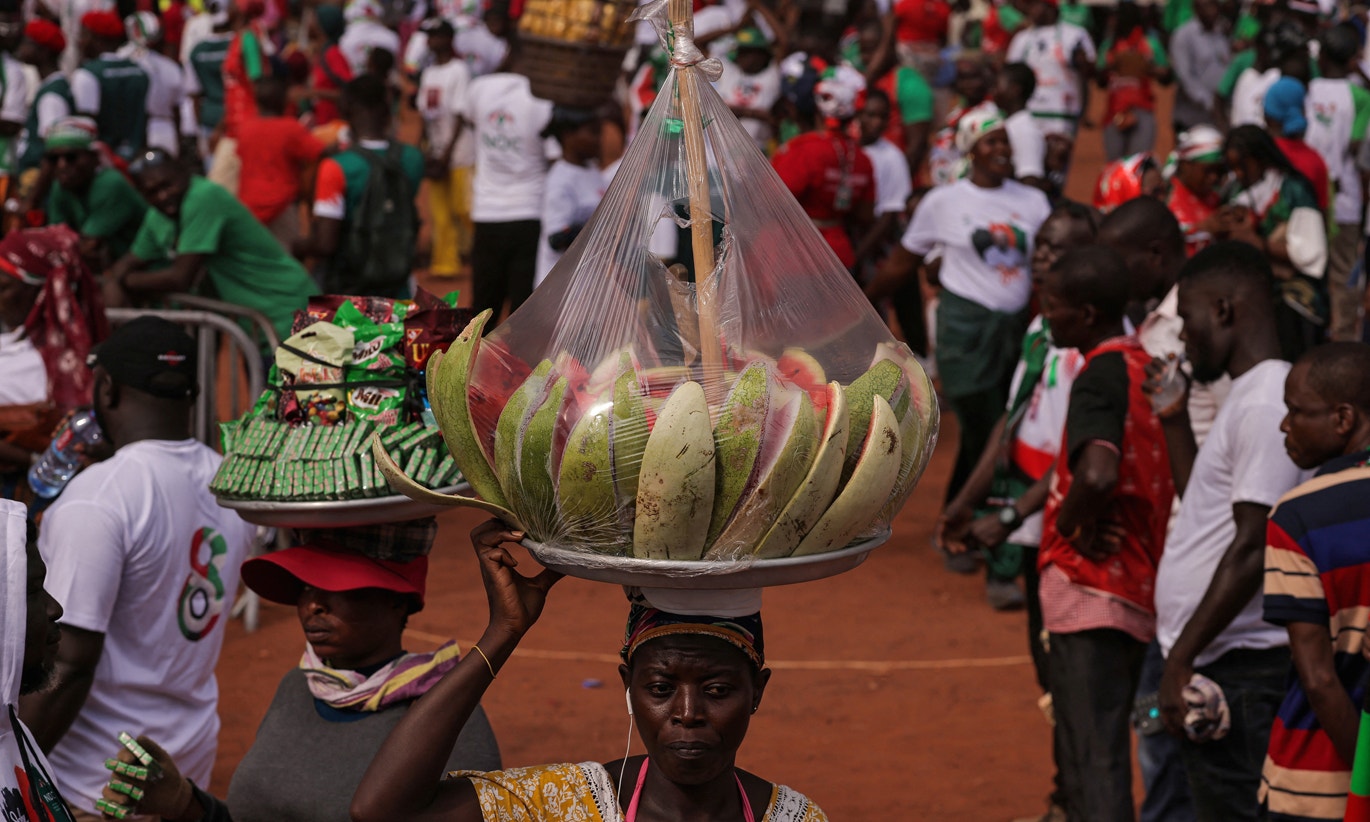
pixel 352 368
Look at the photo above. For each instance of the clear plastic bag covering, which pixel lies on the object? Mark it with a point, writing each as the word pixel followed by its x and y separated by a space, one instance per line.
pixel 627 411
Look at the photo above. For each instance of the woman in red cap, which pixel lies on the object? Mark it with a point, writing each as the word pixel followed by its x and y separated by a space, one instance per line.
pixel 353 685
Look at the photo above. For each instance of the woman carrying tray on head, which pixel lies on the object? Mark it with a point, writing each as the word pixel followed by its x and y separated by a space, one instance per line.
pixel 692 682
pixel 352 686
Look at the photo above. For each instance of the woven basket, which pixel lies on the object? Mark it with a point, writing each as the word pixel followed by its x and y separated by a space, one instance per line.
pixel 572 50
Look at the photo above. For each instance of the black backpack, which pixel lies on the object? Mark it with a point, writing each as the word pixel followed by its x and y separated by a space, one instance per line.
pixel 376 254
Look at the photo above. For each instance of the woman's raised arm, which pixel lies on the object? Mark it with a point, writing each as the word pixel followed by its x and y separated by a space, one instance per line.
pixel 405 780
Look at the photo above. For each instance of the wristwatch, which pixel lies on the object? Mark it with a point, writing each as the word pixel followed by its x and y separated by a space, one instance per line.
pixel 1009 517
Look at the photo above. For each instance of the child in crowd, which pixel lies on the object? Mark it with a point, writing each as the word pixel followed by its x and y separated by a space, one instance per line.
pixel 575 184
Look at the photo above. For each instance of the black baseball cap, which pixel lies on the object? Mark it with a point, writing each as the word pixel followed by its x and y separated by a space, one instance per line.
pixel 152 355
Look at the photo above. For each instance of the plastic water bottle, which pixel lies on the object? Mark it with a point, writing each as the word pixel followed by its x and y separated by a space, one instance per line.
pixel 51 473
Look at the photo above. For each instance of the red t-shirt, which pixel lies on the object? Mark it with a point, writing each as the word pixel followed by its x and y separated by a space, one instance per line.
pixel 814 167
pixel 1191 210
pixel 1309 163
pixel 922 21
pixel 331 72
pixel 274 151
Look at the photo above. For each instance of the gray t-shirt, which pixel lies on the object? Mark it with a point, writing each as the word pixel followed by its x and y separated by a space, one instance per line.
pixel 305 768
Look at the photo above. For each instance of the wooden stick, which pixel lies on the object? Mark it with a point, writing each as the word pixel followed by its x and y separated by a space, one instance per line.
pixel 701 213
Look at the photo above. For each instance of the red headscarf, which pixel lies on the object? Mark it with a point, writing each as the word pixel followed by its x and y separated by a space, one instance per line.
pixel 68 318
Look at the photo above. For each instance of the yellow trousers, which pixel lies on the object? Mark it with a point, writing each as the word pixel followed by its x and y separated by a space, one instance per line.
pixel 450 206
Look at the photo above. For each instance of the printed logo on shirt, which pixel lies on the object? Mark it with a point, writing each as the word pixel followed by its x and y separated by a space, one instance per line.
pixel 1322 112
pixel 16 803
pixel 1003 247
pixel 202 596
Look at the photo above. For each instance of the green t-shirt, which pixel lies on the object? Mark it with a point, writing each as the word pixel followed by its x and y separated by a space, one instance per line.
pixel 207 65
pixel 1241 61
pixel 1177 13
pixel 111 210
pixel 244 263
pixel 1074 13
pixel 913 95
pixel 1360 102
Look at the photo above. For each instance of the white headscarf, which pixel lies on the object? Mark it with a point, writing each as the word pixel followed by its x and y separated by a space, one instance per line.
pixel 836 94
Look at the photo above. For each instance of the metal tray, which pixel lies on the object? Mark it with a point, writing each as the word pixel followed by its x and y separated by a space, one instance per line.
pixel 340 513
pixel 686 574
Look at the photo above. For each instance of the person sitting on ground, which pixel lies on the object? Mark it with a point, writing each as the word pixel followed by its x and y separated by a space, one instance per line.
pixel 1102 535
pixel 345 221
pixel 208 235
pixel 1274 208
pixel 353 685
pixel 277 153
pixel 29 636
pixel 1194 184
pixel 672 665
pixel 1317 584
pixel 92 198
pixel 575 184
pixel 51 306
pixel 1287 122
pixel 109 88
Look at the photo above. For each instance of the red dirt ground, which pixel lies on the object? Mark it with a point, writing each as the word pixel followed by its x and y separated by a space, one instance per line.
pixel 898 694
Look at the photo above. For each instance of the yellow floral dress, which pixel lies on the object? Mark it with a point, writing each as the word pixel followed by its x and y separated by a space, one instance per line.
pixel 584 792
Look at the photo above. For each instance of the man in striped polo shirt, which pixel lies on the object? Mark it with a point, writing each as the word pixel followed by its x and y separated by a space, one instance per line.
pixel 1317 584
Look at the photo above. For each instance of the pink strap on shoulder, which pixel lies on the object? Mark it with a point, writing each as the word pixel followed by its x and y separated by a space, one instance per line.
pixel 642 778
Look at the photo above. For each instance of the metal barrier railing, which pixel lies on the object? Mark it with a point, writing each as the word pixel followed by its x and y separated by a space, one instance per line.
pixel 217 327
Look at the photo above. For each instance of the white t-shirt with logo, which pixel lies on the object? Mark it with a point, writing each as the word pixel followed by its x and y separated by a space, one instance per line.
pixel 442 89
pixel 985 236
pixel 893 183
pixel 1047 50
pixel 1242 460
pixel 1248 96
pixel 511 161
pixel 573 194
pixel 752 91
pixel 23 377
pixel 138 550
pixel 1331 111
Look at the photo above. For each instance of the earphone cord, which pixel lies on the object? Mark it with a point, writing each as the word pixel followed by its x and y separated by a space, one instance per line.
pixel 624 768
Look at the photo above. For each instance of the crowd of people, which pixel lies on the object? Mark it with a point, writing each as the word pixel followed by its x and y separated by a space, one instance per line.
pixel 1161 396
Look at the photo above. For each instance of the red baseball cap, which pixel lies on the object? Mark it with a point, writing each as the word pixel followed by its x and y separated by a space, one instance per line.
pixel 280 576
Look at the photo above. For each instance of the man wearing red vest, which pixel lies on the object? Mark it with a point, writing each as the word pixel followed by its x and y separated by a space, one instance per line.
pixel 1102 536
